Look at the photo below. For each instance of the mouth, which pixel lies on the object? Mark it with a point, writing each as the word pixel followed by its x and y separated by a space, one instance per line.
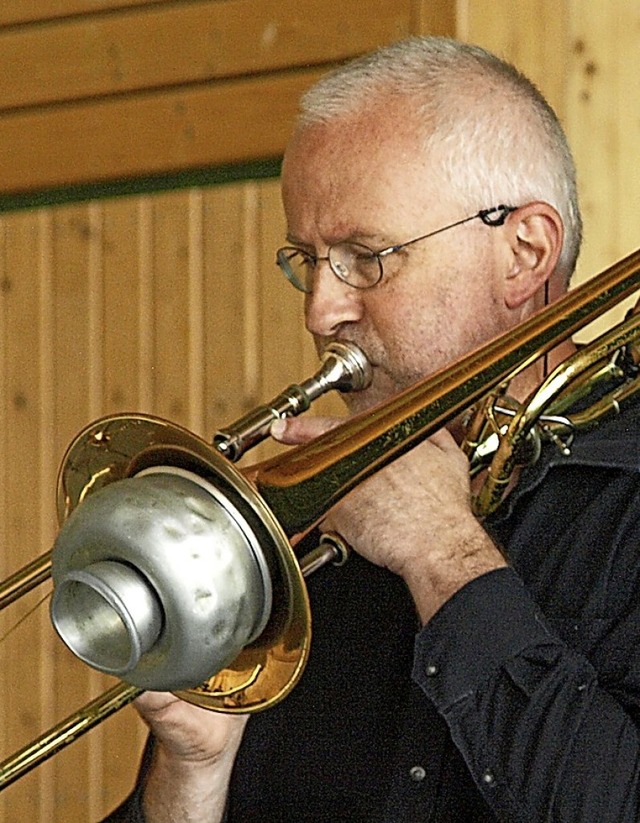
pixel 323 345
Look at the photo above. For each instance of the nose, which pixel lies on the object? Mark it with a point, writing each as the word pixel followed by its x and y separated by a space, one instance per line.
pixel 331 303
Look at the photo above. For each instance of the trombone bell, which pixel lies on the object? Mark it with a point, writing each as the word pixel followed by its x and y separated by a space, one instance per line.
pixel 170 566
pixel 169 570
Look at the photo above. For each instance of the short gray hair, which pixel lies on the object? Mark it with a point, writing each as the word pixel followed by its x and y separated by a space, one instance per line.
pixel 504 141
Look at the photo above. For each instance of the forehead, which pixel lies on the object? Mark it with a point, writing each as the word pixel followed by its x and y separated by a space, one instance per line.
pixel 368 169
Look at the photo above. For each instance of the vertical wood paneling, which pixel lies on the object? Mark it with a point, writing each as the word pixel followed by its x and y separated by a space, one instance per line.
pixel 594 102
pixel 531 34
pixel 603 122
pixel 196 306
pixel 48 466
pixel 281 342
pixel 182 286
pixel 122 288
pixel 126 341
pixel 604 126
pixel 22 483
pixel 145 267
pixel 4 560
pixel 225 343
pixel 279 335
pixel 171 306
pixel 76 302
pixel 627 38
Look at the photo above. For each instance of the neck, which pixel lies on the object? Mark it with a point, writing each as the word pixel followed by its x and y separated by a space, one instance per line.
pixel 528 381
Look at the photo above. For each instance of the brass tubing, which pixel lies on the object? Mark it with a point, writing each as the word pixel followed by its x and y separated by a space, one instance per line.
pixel 65 733
pixel 331 550
pixel 344 367
pixel 25 579
pixel 302 484
pixel 503 464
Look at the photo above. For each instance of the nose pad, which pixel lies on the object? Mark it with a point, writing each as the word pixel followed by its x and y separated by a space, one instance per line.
pixel 331 302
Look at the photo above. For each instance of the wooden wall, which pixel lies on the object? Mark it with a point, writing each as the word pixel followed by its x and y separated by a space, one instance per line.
pixel 133 88
pixel 150 303
pixel 169 302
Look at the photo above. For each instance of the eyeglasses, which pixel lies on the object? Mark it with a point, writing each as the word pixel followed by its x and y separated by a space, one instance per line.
pixel 356 264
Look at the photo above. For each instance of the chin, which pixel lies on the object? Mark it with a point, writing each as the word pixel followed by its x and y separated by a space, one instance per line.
pixel 362 401
pixel 386 384
pixel 358 405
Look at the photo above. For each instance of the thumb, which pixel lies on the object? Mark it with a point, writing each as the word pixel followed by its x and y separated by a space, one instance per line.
pixel 295 430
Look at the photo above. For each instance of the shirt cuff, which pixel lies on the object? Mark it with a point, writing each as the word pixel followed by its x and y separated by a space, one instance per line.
pixel 488 621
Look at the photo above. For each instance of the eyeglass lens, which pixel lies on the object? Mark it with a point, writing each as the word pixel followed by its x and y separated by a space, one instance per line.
pixel 355 264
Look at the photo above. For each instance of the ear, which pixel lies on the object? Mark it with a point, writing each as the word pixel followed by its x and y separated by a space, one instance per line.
pixel 535 233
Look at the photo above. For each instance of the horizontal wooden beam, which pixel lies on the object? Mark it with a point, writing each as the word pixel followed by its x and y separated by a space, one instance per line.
pixel 17 12
pixel 97 96
pixel 134 91
pixel 154 134
pixel 186 43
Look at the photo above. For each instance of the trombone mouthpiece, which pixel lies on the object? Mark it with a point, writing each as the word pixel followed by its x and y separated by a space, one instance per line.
pixel 345 367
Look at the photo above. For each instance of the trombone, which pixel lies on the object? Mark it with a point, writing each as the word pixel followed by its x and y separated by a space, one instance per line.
pixel 128 481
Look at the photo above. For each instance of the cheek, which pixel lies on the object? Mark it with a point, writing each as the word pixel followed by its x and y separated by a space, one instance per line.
pixel 422 333
pixel 419 319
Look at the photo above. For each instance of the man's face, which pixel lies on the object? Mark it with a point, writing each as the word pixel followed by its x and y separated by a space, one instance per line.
pixel 366 179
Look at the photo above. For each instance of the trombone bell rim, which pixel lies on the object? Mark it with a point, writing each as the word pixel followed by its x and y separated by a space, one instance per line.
pixel 122 446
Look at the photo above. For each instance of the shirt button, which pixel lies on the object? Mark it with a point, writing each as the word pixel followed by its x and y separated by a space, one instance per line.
pixel 431 670
pixel 417 774
pixel 488 778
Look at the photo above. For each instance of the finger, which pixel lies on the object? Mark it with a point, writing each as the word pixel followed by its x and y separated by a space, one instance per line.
pixel 442 438
pixel 295 430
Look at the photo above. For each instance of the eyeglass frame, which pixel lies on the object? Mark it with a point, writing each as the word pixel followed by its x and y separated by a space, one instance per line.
pixel 492 217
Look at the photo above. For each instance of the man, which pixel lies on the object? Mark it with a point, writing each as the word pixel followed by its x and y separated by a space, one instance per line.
pixel 520 701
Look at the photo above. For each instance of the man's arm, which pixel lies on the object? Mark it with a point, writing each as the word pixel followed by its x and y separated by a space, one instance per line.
pixel 190 764
pixel 544 734
pixel 415 519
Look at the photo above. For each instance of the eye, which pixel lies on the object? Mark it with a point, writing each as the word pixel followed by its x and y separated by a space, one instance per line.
pixel 362 265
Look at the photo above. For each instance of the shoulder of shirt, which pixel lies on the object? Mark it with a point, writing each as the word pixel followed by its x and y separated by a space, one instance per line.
pixel 610 444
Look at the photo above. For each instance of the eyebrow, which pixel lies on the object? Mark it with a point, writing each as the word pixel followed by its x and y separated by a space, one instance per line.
pixel 353 237
pixel 294 240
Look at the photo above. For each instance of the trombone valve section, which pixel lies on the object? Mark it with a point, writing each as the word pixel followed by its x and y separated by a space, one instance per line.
pixel 579 394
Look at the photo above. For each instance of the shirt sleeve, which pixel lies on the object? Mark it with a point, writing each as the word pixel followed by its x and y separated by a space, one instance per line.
pixel 543 738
